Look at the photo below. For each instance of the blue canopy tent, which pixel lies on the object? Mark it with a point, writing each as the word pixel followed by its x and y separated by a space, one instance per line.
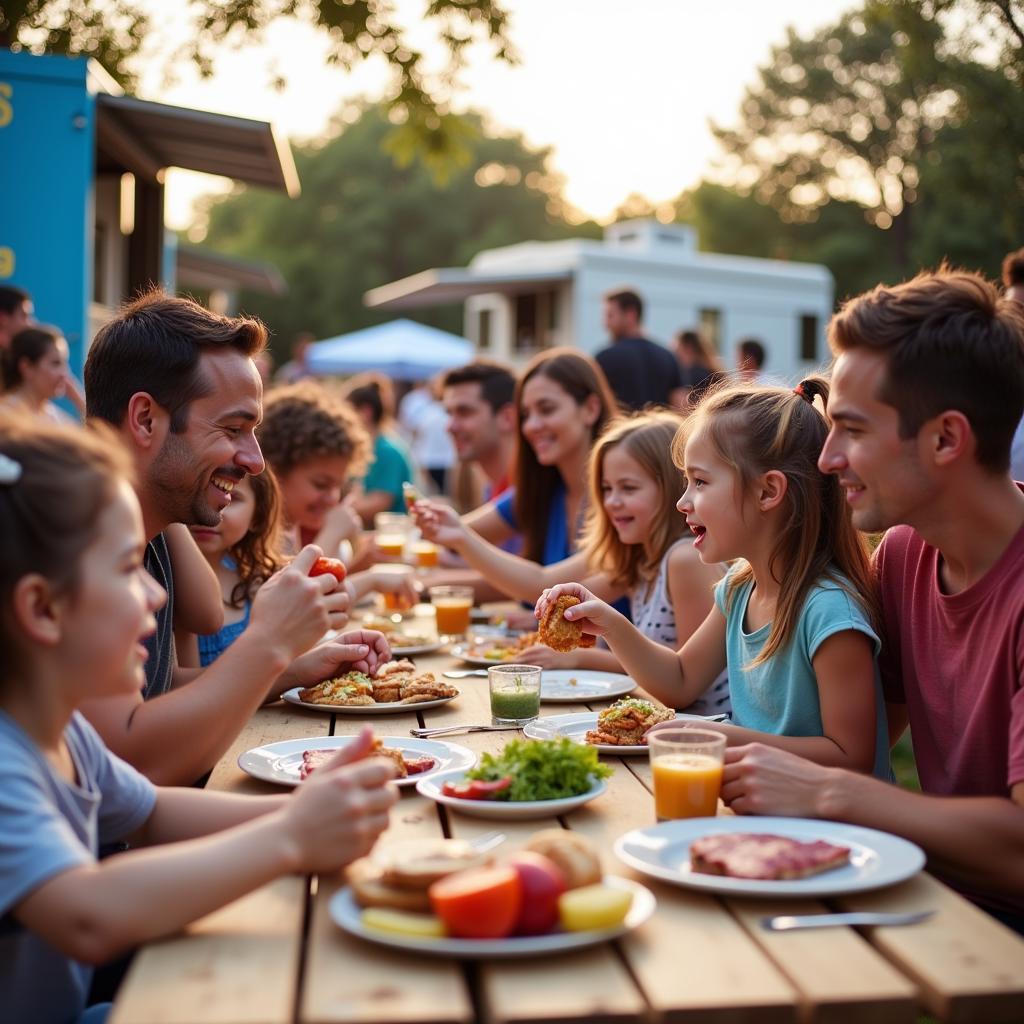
pixel 403 349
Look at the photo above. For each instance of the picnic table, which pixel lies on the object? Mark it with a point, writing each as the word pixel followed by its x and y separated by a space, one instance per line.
pixel 275 956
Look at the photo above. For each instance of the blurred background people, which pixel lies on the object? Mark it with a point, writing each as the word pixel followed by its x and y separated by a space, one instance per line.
pixel 698 361
pixel 34 368
pixel 750 360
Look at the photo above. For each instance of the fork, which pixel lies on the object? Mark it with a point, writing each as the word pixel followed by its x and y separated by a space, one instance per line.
pixel 446 730
pixel 462 673
pixel 790 923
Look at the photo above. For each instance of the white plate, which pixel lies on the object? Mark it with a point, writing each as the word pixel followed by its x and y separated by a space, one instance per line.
pixel 576 727
pixel 405 650
pixel 876 858
pixel 280 762
pixel 345 913
pixel 431 787
pixel 574 686
pixel 466 652
pixel 395 708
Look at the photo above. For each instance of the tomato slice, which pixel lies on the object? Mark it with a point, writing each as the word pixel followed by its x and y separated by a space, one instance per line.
pixel 329 566
pixel 476 789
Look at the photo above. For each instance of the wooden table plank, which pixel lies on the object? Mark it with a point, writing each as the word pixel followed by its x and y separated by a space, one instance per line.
pixel 968 966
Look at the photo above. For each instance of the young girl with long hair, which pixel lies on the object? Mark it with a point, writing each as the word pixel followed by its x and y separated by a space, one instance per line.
pixel 792 621
pixel 75 607
pixel 634 545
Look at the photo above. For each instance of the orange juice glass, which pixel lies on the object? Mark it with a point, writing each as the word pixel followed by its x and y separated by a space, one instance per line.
pixel 426 554
pixel 687 768
pixel 452 605
pixel 391 532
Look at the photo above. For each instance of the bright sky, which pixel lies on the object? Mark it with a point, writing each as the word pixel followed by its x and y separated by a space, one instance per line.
pixel 622 92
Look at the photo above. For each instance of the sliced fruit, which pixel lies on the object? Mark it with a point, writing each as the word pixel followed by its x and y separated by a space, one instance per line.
pixel 481 903
pixel 476 789
pixel 398 922
pixel 593 907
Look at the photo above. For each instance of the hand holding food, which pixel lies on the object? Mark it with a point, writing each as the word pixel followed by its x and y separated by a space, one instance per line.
pixel 439 523
pixel 566 620
pixel 558 632
pixel 329 566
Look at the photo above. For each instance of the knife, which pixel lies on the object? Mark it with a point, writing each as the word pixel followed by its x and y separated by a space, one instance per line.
pixel 791 923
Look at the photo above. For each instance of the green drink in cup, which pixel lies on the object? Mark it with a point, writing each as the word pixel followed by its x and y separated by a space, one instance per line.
pixel 515 693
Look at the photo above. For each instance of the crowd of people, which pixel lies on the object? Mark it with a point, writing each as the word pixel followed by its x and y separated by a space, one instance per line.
pixel 829 563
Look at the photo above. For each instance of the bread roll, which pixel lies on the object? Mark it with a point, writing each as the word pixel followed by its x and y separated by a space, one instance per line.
pixel 370 890
pixel 573 853
pixel 419 863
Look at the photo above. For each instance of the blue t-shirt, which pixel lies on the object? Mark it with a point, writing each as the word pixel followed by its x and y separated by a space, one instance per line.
pixel 390 469
pixel 213 645
pixel 780 696
pixel 48 826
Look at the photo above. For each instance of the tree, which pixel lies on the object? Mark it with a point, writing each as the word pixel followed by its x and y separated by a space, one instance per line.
pixel 113 32
pixel 362 221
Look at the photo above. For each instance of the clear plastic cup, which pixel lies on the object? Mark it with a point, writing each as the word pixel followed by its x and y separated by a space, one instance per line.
pixel 687 768
pixel 515 693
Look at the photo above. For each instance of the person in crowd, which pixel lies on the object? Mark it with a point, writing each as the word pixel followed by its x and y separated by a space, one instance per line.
pixel 179 385
pixel 700 365
pixel 77 605
pixel 634 544
pixel 16 313
pixel 35 371
pixel 424 423
pixel 750 360
pixel 927 389
pixel 640 371
pixel 372 398
pixel 296 368
pixel 792 617
pixel 1013 282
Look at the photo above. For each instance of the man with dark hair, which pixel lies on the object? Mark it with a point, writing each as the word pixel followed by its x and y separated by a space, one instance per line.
pixel 927 389
pixel 180 386
pixel 750 359
pixel 640 371
pixel 479 400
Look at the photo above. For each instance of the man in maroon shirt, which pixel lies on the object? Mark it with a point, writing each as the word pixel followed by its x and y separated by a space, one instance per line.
pixel 927 389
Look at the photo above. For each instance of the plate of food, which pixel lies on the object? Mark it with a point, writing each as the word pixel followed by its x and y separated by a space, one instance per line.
pixel 445 898
pixel 405 644
pixel 527 779
pixel 619 729
pixel 290 761
pixel 493 650
pixel 574 686
pixel 745 856
pixel 397 686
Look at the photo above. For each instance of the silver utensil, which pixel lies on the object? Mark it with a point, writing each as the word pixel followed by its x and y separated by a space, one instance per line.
pixel 488 841
pixel 451 730
pixel 791 923
pixel 462 673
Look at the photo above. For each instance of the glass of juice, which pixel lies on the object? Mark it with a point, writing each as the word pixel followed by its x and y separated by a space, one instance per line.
pixel 452 605
pixel 687 769
pixel 515 693
pixel 391 532
pixel 425 553
pixel 395 602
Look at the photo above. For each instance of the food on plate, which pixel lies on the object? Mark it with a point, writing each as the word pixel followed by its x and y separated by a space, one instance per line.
pixel 505 649
pixel 395 682
pixel 557 632
pixel 626 722
pixel 483 903
pixel 332 566
pixel 404 764
pixel 542 884
pixel 573 854
pixel 474 789
pixel 593 907
pixel 764 857
pixel 371 890
pixel 537 770
pixel 418 863
pixel 398 922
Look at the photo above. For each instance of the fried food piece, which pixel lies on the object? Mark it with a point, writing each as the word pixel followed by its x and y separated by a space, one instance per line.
pixel 350 690
pixel 425 687
pixel 626 722
pixel 395 668
pixel 557 632
pixel 393 755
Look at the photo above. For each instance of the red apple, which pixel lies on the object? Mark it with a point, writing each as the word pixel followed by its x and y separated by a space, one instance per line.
pixel 542 883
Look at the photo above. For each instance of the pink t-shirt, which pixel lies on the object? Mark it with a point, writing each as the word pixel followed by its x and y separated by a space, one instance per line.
pixel 957 662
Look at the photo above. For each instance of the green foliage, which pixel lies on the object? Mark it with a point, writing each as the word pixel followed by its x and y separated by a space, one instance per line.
pixel 363 220
pixel 113 32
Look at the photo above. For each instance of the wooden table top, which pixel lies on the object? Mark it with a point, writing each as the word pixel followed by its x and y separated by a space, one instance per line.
pixel 275 957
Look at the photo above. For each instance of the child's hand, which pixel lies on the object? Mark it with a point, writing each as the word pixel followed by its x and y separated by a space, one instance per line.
pixel 376 644
pixel 543 656
pixel 439 523
pixel 362 650
pixel 592 613
pixel 295 609
pixel 336 815
pixel 401 584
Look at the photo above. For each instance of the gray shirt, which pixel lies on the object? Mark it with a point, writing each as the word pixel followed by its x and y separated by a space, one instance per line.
pixel 49 826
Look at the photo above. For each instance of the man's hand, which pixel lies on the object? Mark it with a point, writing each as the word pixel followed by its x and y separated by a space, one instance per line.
pixel 362 650
pixel 295 609
pixel 336 815
pixel 758 779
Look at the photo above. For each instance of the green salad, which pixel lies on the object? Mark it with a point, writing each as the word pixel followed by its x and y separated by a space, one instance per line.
pixel 541 769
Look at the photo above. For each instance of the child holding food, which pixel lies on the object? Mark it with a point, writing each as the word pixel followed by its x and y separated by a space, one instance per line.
pixel 634 545
pixel 75 606
pixel 792 620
